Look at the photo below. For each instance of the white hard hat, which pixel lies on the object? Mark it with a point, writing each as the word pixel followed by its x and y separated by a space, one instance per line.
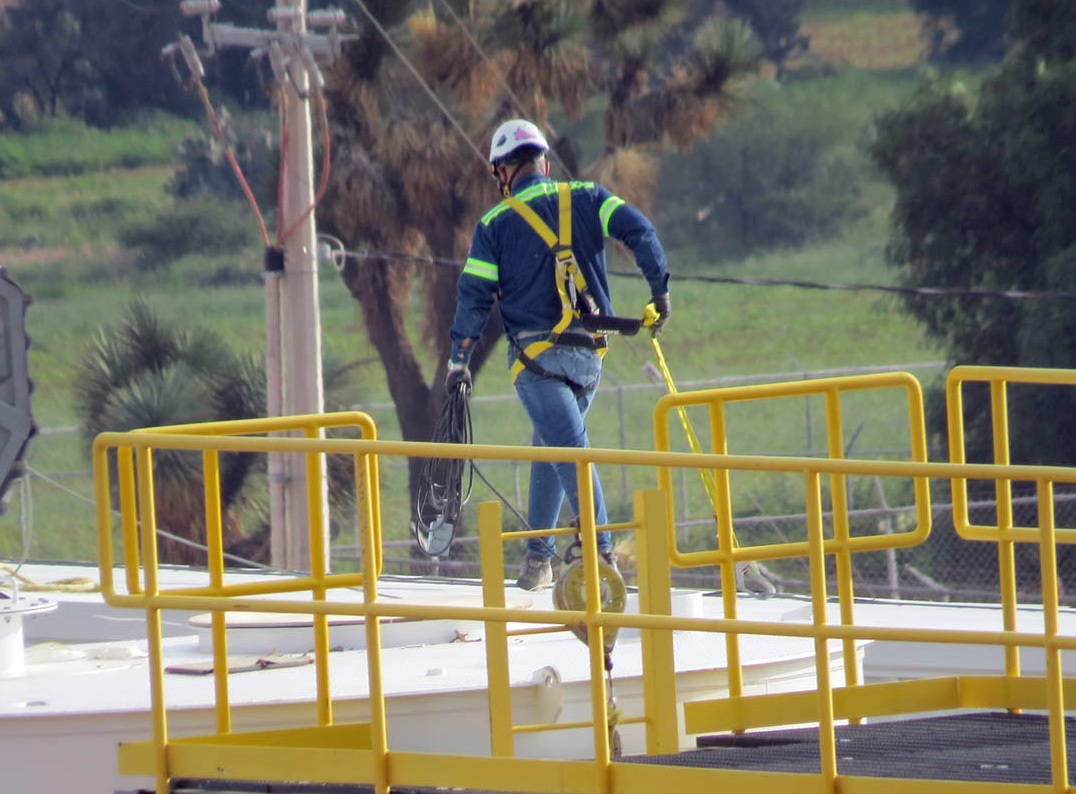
pixel 512 135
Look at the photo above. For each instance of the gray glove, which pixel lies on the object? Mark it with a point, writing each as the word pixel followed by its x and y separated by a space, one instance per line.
pixel 664 310
pixel 457 374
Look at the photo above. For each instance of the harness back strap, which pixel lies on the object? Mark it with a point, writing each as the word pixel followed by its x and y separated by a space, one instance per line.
pixel 569 278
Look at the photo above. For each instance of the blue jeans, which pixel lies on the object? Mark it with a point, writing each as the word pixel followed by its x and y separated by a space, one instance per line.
pixel 557 414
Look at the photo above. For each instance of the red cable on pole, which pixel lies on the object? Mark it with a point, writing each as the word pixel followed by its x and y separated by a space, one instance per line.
pixel 213 119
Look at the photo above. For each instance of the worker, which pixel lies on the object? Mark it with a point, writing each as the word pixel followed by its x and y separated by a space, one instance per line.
pixel 518 257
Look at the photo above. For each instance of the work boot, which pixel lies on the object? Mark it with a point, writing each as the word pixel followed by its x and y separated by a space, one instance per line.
pixel 610 558
pixel 536 573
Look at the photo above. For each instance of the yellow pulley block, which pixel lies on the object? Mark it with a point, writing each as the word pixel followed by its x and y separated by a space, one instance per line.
pixel 569 593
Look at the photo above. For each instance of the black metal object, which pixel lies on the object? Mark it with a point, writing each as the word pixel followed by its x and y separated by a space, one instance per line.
pixel 982 746
pixel 17 426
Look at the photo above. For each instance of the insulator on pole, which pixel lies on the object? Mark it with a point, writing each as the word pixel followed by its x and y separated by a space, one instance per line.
pixel 326 18
pixel 279 62
pixel 190 55
pixel 278 14
pixel 317 79
pixel 199 8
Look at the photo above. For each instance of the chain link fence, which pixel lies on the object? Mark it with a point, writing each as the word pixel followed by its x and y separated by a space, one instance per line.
pixel 944 568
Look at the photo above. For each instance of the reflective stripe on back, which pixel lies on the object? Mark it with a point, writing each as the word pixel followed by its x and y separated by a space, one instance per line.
pixel 541 189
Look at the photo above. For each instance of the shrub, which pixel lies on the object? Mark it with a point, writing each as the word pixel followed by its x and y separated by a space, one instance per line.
pixel 64 146
pixel 205 171
pixel 774 176
pixel 203 226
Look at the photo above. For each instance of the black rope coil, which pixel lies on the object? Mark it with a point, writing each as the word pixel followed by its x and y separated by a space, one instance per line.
pixel 445 484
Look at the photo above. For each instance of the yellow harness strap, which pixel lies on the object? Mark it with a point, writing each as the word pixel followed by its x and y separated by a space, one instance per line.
pixel 569 278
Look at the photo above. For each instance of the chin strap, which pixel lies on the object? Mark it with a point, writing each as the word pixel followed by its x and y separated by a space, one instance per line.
pixel 506 187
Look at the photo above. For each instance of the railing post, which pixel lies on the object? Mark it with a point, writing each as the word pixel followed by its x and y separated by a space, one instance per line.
pixel 1055 682
pixel 595 632
pixel 827 744
pixel 214 539
pixel 721 499
pixel 491 555
pixel 154 628
pixel 838 489
pixel 1003 494
pixel 317 544
pixel 379 740
pixel 655 598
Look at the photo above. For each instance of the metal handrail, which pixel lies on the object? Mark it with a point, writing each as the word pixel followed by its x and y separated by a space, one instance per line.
pixel 656 554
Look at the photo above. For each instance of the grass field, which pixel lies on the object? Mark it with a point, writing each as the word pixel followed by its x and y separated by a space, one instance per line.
pixel 59 240
pixel 868 41
pixel 719 332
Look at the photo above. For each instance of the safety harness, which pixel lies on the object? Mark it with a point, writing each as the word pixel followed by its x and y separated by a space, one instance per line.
pixel 576 301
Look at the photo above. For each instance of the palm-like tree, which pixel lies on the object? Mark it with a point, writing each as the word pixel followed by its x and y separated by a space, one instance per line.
pixel 145 373
pixel 405 180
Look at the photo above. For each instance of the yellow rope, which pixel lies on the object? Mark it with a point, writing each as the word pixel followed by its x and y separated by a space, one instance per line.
pixel 709 481
pixel 693 440
pixel 74 584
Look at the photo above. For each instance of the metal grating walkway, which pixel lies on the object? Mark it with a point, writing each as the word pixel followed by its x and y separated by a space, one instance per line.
pixel 985 746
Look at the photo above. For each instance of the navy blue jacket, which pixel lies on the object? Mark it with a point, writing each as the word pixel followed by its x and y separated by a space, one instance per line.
pixel 510 261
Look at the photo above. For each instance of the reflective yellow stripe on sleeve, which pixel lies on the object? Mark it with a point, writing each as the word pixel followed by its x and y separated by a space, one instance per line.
pixel 608 207
pixel 476 267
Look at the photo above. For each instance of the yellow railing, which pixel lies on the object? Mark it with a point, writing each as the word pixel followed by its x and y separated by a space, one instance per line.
pixel 1005 534
pixel 842 545
pixel 360 753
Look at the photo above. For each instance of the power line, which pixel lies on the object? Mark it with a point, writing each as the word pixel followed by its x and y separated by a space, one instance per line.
pixel 430 92
pixel 756 282
pixel 436 261
pixel 941 291
pixel 500 78
pixel 399 53
pixel 162 532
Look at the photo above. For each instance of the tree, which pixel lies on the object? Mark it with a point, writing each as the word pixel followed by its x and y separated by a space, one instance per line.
pixel 776 23
pixel 43 62
pixel 980 27
pixel 94 59
pixel 88 58
pixel 205 171
pixel 1045 29
pixel 985 193
pixel 405 180
pixel 146 373
pixel 206 225
pixel 772 176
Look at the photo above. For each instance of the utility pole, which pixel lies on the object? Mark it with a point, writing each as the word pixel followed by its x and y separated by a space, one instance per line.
pixel 293 314
pixel 301 311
